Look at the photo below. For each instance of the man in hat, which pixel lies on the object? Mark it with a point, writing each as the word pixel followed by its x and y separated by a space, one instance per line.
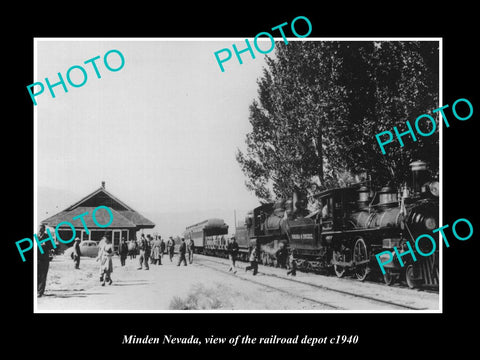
pixel 76 252
pixel 43 260
pixel 282 256
pixel 232 251
pixel 144 247
pixel 182 249
pixel 171 248
pixel 123 251
pixel 162 248
pixel 190 249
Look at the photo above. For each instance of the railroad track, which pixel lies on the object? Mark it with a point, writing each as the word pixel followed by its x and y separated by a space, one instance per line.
pixel 272 287
pixel 432 290
pixel 332 298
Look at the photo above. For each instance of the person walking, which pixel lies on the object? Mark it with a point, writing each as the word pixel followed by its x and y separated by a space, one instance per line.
pixel 132 249
pixel 282 256
pixel 182 249
pixel 43 259
pixel 102 242
pixel 162 248
pixel 253 260
pixel 76 253
pixel 232 251
pixel 123 251
pixel 150 242
pixel 156 256
pixel 293 264
pixel 190 249
pixel 105 254
pixel 144 247
pixel 171 248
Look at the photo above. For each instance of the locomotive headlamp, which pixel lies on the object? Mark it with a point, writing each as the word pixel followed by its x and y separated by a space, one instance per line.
pixel 430 223
pixel 434 188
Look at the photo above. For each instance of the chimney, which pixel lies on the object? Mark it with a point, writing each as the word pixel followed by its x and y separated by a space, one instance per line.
pixel 103 184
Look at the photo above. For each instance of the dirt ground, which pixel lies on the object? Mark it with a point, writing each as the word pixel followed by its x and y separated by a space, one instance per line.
pixel 163 287
pixel 168 287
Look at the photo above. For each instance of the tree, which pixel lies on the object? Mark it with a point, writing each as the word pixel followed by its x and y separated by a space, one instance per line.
pixel 320 105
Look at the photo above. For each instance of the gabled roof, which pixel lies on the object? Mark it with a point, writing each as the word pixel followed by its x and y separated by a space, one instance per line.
pixel 102 217
pixel 100 196
pixel 123 215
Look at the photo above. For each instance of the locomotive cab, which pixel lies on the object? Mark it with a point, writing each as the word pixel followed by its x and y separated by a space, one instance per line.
pixel 336 205
pixel 347 248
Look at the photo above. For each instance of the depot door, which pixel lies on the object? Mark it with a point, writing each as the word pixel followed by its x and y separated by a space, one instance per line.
pixel 116 235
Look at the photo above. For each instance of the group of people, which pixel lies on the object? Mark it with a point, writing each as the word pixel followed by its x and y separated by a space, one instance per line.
pixel 284 259
pixel 151 250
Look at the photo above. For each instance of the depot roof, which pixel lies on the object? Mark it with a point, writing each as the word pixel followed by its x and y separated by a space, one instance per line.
pixel 123 215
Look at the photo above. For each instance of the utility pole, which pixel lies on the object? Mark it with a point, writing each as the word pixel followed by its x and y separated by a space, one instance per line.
pixel 235 218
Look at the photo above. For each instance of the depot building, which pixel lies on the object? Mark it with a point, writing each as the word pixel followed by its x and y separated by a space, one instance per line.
pixel 125 224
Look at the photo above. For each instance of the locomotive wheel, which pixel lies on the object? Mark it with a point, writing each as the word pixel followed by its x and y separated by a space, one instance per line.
pixel 412 282
pixel 360 253
pixel 389 278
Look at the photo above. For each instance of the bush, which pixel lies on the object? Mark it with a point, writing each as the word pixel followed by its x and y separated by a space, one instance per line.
pixel 199 298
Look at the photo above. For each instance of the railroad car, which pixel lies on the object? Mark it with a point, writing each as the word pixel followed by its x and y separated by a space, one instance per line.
pixel 209 236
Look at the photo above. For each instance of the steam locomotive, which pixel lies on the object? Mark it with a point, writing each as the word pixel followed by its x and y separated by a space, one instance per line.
pixel 350 226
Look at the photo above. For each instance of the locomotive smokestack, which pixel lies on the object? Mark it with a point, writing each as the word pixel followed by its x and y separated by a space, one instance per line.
pixel 419 175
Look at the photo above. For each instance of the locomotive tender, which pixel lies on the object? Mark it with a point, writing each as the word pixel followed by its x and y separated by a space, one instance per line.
pixel 352 225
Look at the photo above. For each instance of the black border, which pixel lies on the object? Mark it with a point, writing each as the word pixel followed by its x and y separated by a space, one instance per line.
pixel 380 334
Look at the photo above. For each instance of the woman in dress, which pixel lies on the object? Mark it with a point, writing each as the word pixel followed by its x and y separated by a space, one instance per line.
pixel 156 251
pixel 105 254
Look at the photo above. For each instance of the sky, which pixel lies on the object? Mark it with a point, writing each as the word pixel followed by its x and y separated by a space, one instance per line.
pixel 162 132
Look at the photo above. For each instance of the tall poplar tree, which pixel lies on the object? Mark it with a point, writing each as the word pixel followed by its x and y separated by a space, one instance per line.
pixel 320 105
